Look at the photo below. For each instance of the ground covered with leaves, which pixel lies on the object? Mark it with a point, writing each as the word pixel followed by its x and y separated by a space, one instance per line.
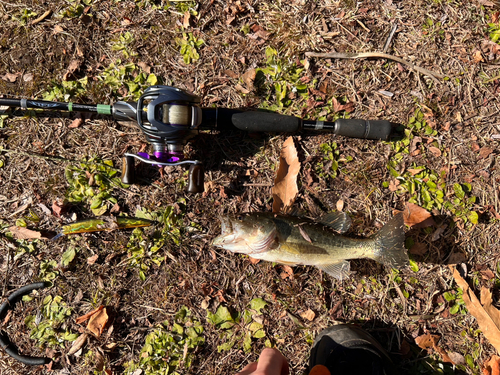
pixel 164 300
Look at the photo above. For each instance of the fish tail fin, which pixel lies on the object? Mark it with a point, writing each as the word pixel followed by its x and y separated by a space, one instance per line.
pixel 390 242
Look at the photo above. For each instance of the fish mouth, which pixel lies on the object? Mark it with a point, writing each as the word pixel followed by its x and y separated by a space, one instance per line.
pixel 227 233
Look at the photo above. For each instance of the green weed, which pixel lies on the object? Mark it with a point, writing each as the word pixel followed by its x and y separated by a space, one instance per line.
pixel 494 30
pixel 186 6
pixel 123 44
pixel 2 120
pixel 424 186
pixel 48 331
pixel 170 348
pixel 75 8
pixel 66 89
pixel 433 29
pixel 48 270
pixel 92 182
pixel 461 203
pixel 279 80
pixel 25 16
pixel 143 249
pixel 456 301
pixel 116 76
pixel 189 47
pixel 239 328
pixel 331 160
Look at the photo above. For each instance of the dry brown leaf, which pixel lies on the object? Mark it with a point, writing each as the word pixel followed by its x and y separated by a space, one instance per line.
pixel 78 343
pixel 487 316
pixel 457 358
pixel 97 322
pixel 22 233
pixel 230 73
pixel 254 260
pixel 485 152
pixel 435 151
pixel 413 172
pixel 495 16
pixel 337 107
pixel 259 31
pixel 426 341
pixel 144 66
pixel 241 89
pixel 416 216
pixel 285 188
pixel 185 19
pixel 393 185
pixel 76 123
pixel 91 260
pixel 477 57
pixel 340 205
pixel 492 367
pixel 487 274
pixel 248 78
pixel 99 360
pixel 429 341
pixel 309 315
pixel 287 272
pixel 87 316
pixel 414 144
pixel 57 209
pixel 74 65
pixel 486 3
pixel 11 77
pixel 57 29
pixel 418 248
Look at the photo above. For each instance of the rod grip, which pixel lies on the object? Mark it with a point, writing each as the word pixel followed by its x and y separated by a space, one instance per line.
pixel 128 170
pixel 196 178
pixel 254 121
pixel 365 129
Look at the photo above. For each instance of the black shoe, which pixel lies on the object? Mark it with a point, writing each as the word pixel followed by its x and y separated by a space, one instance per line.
pixel 346 349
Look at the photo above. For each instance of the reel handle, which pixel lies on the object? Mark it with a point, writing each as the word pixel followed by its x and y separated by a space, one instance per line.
pixel 196 178
pixel 128 170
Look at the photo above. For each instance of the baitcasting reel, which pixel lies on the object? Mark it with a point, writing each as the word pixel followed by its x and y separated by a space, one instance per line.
pixel 169 117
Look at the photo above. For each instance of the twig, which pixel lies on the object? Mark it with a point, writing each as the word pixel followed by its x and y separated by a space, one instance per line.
pixel 389 38
pixel 57 158
pixel 41 18
pixel 364 55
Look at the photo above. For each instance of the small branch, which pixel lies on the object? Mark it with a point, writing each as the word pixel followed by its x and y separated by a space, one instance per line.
pixel 389 38
pixel 55 158
pixel 364 55
pixel 42 17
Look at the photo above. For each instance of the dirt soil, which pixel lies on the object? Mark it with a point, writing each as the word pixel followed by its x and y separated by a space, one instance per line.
pixel 457 144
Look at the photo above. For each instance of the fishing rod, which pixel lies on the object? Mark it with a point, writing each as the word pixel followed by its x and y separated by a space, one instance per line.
pixel 169 117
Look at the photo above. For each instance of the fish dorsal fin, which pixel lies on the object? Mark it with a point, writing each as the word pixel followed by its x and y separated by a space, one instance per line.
pixel 338 221
pixel 295 211
pixel 339 270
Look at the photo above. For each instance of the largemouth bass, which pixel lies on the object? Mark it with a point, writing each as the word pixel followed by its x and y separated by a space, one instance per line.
pixel 300 241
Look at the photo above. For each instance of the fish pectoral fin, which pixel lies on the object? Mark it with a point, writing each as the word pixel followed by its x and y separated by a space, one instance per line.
pixel 339 270
pixel 338 221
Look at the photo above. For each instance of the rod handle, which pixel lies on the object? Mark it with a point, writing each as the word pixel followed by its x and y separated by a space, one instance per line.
pixel 364 129
pixel 249 120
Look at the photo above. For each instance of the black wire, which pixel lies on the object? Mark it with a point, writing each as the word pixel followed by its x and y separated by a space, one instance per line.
pixel 5 343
